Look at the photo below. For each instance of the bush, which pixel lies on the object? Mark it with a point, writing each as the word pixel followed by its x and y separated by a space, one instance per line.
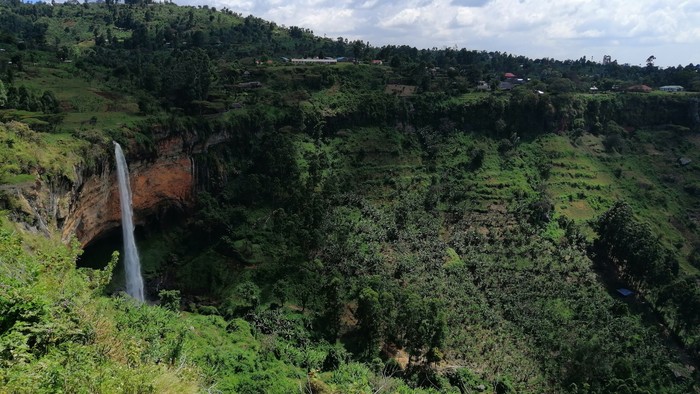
pixel 170 299
pixel 614 143
pixel 466 380
pixel 694 256
pixel 476 158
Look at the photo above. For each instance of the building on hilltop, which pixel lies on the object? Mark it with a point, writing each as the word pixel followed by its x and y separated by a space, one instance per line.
pixel 505 85
pixel 639 89
pixel 672 88
pixel 314 61
pixel 684 161
pixel 625 292
pixel 510 82
pixel 483 85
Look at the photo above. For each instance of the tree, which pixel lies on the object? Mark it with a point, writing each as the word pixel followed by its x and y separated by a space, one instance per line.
pixel 633 247
pixel 500 126
pixel 395 62
pixel 170 299
pixel 541 210
pixel 333 308
pixel 613 141
pixel 12 97
pixel 189 78
pixel 296 32
pixel 25 99
pixel 357 47
pixel 694 114
pixel 275 164
pixel 3 94
pixel 425 326
pixel 650 61
pixel 245 297
pixel 139 36
pixel 49 102
pixel 695 84
pixel 476 158
pixel 279 291
pixel 16 59
pixel 369 317
pixel 684 294
pixel 561 85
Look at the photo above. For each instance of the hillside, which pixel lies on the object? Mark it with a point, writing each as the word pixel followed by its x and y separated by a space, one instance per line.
pixel 333 228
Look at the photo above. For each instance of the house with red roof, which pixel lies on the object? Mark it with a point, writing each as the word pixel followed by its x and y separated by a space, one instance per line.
pixel 639 89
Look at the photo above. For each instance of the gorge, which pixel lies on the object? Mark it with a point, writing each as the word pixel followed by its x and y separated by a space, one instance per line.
pixel 364 226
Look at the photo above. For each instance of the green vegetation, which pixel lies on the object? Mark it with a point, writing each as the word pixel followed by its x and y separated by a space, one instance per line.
pixel 25 150
pixel 357 228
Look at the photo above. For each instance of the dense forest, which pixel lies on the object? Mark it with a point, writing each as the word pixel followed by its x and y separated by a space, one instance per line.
pixel 401 220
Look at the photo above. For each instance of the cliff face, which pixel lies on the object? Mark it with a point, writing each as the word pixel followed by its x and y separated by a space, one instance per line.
pixel 87 206
pixel 164 183
pixel 159 183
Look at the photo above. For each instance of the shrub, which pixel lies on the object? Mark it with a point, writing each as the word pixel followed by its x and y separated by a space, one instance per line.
pixel 170 299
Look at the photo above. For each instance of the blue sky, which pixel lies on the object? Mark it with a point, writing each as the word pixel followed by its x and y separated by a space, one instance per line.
pixel 628 30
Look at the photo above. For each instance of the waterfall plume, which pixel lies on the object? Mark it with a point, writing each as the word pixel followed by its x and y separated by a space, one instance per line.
pixel 132 264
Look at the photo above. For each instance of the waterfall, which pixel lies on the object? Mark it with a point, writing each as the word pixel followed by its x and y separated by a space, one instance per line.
pixel 132 265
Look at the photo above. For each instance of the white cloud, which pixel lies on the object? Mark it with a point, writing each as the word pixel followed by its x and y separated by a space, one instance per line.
pixel 405 18
pixel 629 30
pixel 369 4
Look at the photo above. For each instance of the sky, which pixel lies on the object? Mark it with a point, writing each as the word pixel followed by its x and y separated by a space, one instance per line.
pixel 628 30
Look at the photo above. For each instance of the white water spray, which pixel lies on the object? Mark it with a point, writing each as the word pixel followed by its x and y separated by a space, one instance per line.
pixel 132 265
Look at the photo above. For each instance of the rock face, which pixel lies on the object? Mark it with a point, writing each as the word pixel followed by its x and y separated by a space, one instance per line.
pixel 157 184
pixel 162 182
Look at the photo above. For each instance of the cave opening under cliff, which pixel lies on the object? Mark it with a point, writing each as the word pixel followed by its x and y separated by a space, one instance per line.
pixel 152 242
pixel 97 253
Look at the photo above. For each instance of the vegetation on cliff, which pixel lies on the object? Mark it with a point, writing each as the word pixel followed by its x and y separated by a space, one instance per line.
pixel 357 228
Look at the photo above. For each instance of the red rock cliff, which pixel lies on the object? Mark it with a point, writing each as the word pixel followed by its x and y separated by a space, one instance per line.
pixel 164 182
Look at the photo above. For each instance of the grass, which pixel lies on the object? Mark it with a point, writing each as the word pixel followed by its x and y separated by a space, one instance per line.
pixel 27 150
pixel 105 120
pixel 585 180
pixel 375 158
pixel 18 179
pixel 475 97
pixel 83 100
pixel 59 78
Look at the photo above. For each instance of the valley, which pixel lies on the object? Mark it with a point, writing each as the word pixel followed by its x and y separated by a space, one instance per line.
pixel 337 228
